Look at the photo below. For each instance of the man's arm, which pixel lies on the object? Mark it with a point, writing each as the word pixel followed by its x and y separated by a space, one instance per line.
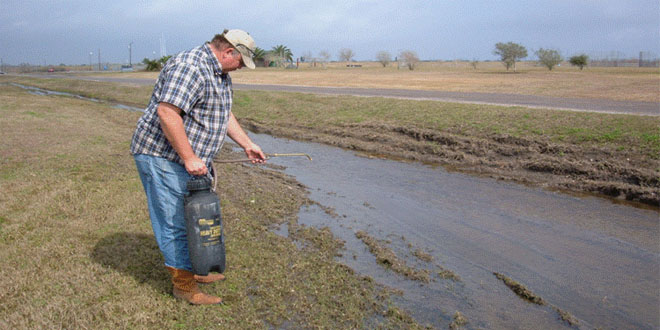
pixel 172 125
pixel 239 136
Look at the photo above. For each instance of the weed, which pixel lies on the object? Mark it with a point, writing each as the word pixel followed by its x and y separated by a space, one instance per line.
pixel 567 317
pixel 387 258
pixel 520 289
pixel 459 321
pixel 421 255
pixel 448 274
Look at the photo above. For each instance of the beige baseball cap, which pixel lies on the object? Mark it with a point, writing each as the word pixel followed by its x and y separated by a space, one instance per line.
pixel 244 43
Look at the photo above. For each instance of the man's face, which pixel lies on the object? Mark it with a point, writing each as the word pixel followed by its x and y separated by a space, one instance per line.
pixel 231 60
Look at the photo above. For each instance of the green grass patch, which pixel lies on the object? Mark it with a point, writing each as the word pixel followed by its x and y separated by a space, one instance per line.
pixel 577 128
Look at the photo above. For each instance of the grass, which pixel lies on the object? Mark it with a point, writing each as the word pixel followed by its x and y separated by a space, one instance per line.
pixel 386 257
pixel 78 251
pixel 521 290
pixel 634 134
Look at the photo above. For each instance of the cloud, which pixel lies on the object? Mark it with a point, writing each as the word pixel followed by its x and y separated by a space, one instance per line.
pixel 66 30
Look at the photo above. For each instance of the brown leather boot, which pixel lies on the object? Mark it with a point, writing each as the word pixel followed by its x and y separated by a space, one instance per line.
pixel 210 278
pixel 185 287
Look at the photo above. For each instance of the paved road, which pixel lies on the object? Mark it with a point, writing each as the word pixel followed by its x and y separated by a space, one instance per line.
pixel 530 101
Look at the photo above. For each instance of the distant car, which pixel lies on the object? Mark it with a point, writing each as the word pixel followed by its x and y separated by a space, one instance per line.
pixel 51 70
pixel 2 72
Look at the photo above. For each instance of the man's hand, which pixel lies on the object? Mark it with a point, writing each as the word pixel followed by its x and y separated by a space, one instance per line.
pixel 172 124
pixel 254 152
pixel 195 166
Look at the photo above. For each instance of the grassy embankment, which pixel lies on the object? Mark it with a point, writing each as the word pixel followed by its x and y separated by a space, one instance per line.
pixel 638 134
pixel 78 252
pixel 611 154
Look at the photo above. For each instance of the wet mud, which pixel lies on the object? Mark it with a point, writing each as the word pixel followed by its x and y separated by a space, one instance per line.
pixel 503 157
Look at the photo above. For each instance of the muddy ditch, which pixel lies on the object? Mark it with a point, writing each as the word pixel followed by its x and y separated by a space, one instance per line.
pixel 561 245
pixel 503 157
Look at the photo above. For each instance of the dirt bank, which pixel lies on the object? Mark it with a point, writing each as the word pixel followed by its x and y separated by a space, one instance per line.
pixel 538 162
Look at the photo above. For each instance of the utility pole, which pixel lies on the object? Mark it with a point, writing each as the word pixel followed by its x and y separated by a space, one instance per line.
pixel 163 50
pixel 130 54
pixel 99 59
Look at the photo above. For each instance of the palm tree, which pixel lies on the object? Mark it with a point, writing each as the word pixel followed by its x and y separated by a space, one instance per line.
pixel 283 53
pixel 260 56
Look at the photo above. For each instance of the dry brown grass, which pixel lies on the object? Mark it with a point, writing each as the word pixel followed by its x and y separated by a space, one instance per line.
pixel 78 252
pixel 633 84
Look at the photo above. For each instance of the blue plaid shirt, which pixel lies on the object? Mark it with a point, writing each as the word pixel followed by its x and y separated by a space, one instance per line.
pixel 192 81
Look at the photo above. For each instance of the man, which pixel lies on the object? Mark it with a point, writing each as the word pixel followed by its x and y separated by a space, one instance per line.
pixel 182 129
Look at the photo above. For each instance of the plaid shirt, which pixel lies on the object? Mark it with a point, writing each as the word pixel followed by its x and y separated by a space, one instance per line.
pixel 192 81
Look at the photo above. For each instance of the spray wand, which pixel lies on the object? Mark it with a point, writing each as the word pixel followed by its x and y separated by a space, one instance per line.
pixel 268 156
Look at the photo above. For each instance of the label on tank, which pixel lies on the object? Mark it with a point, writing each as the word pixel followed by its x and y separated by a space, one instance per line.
pixel 210 231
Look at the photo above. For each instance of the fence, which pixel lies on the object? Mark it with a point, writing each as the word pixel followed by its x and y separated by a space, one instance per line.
pixel 618 59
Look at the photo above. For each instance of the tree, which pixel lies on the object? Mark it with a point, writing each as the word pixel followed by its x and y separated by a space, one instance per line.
pixel 156 64
pixel 510 53
pixel 282 54
pixel 260 56
pixel 324 57
pixel 152 65
pixel 579 60
pixel 346 54
pixel 409 58
pixel 549 57
pixel 384 58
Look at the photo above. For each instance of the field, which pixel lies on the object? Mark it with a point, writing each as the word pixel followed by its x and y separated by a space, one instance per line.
pixel 633 84
pixel 74 229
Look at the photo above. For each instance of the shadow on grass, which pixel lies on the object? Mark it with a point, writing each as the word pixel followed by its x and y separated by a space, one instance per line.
pixel 136 255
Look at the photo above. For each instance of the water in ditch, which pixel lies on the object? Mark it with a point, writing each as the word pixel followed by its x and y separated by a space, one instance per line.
pixel 46 92
pixel 594 259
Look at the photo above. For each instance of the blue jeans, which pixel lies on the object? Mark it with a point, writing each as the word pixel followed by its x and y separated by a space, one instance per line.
pixel 165 185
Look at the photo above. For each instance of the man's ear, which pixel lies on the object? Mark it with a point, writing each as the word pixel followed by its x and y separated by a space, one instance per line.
pixel 227 53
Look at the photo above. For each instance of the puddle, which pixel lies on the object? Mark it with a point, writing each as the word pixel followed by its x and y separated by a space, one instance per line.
pixel 587 256
pixel 45 92
pixel 282 229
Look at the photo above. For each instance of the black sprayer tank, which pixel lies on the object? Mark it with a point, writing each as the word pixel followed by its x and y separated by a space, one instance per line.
pixel 206 243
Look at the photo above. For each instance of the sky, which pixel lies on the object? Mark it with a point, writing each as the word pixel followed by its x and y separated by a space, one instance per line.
pixel 51 32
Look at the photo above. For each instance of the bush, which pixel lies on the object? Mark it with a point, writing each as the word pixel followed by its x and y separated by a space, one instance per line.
pixel 579 60
pixel 549 57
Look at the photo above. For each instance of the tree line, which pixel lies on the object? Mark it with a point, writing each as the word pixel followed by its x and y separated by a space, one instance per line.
pixel 509 54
